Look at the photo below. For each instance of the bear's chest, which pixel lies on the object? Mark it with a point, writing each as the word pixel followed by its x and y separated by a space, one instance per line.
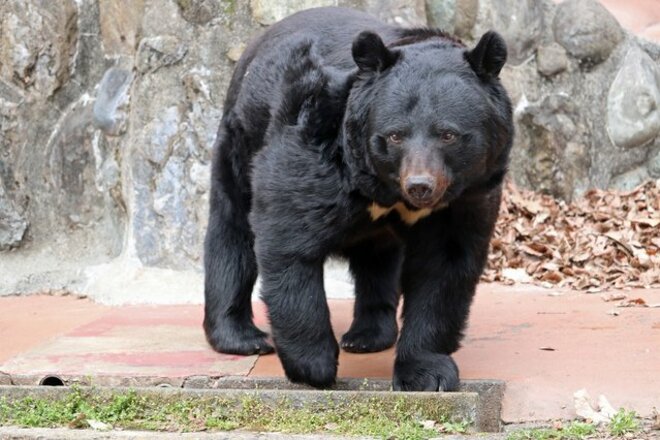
pixel 406 215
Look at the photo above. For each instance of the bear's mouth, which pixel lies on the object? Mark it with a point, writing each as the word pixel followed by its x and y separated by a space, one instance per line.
pixel 433 204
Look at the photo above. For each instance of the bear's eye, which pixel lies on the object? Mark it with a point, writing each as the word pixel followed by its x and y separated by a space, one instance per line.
pixel 395 138
pixel 448 137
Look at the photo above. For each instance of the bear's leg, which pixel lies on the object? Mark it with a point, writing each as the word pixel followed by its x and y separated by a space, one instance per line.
pixel 445 256
pixel 376 268
pixel 300 319
pixel 229 263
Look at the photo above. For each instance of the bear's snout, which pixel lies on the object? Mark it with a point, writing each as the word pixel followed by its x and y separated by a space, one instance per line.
pixel 420 187
pixel 424 190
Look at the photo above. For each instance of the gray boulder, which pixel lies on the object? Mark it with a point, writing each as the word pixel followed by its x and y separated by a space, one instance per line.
pixel 586 30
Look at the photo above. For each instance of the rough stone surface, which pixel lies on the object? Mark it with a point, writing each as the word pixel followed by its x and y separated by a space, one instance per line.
pixel 12 223
pixel 456 16
pixel 200 11
pixel 465 16
pixel 551 59
pixel 268 12
pixel 109 111
pixel 120 25
pixel 399 12
pixel 587 30
pixel 441 13
pixel 554 130
pixel 111 101
pixel 521 23
pixel 156 52
pixel 633 116
pixel 654 165
pixel 37 43
pixel 631 179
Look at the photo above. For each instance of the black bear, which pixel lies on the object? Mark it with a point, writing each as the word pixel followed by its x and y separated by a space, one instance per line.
pixel 346 136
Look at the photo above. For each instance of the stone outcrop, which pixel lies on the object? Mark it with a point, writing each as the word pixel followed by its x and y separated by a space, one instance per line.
pixel 109 111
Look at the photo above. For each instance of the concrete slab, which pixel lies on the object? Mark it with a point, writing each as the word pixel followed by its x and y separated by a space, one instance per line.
pixel 487 412
pixel 454 406
pixel 12 433
pixel 547 347
pixel 544 344
pixel 26 322
pixel 138 345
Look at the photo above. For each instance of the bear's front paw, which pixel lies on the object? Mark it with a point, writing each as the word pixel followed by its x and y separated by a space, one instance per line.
pixel 370 335
pixel 312 365
pixel 232 337
pixel 426 372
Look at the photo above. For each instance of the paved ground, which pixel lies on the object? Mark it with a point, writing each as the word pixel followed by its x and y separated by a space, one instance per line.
pixel 639 16
pixel 544 344
pixel 11 433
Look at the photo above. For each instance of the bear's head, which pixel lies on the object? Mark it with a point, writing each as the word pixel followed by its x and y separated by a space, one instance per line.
pixel 427 121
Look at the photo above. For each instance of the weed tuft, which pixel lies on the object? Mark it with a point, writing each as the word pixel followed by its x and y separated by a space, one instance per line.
pixel 624 422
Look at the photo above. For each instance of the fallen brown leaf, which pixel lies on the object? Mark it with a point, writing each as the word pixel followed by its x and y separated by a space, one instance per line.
pixel 633 302
pixel 605 240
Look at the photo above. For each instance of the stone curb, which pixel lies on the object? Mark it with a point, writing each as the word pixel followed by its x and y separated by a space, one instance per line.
pixel 487 415
pixel 479 401
pixel 14 433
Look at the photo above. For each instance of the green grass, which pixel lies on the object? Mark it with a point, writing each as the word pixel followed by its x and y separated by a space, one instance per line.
pixel 624 422
pixel 395 419
pixel 572 431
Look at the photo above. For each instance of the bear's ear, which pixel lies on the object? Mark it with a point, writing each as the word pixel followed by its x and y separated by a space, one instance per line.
pixel 370 53
pixel 489 55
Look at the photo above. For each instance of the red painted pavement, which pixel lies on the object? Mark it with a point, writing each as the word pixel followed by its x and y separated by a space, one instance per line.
pixel 545 346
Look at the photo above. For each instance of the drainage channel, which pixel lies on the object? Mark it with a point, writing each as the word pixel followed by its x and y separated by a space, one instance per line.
pixel 477 400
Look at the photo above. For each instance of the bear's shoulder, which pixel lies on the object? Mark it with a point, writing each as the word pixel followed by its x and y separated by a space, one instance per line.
pixel 312 96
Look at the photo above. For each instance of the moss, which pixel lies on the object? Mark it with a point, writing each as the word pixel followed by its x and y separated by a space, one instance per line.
pixel 229 6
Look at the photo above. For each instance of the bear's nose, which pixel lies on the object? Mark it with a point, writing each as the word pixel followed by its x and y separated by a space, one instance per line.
pixel 420 187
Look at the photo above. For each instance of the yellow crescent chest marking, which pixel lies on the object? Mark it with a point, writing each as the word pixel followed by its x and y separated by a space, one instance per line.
pixel 410 217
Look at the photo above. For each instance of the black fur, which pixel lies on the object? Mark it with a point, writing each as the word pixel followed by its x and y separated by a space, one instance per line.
pixel 329 112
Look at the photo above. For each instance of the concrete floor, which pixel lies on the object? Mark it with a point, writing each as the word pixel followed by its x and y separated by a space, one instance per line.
pixel 545 344
pixel 512 330
pixel 641 17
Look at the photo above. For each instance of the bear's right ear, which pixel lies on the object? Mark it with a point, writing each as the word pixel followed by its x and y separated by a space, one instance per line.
pixel 488 56
pixel 370 53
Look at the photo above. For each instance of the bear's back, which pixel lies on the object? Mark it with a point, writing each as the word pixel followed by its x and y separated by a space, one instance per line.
pixel 255 88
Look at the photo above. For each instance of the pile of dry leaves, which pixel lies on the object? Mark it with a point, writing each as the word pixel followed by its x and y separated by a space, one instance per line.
pixel 605 240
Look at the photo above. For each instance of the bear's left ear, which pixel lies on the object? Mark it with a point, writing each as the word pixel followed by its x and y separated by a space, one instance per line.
pixel 370 53
pixel 489 55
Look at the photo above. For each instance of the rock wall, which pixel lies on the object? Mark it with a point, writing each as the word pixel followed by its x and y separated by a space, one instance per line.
pixel 109 108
